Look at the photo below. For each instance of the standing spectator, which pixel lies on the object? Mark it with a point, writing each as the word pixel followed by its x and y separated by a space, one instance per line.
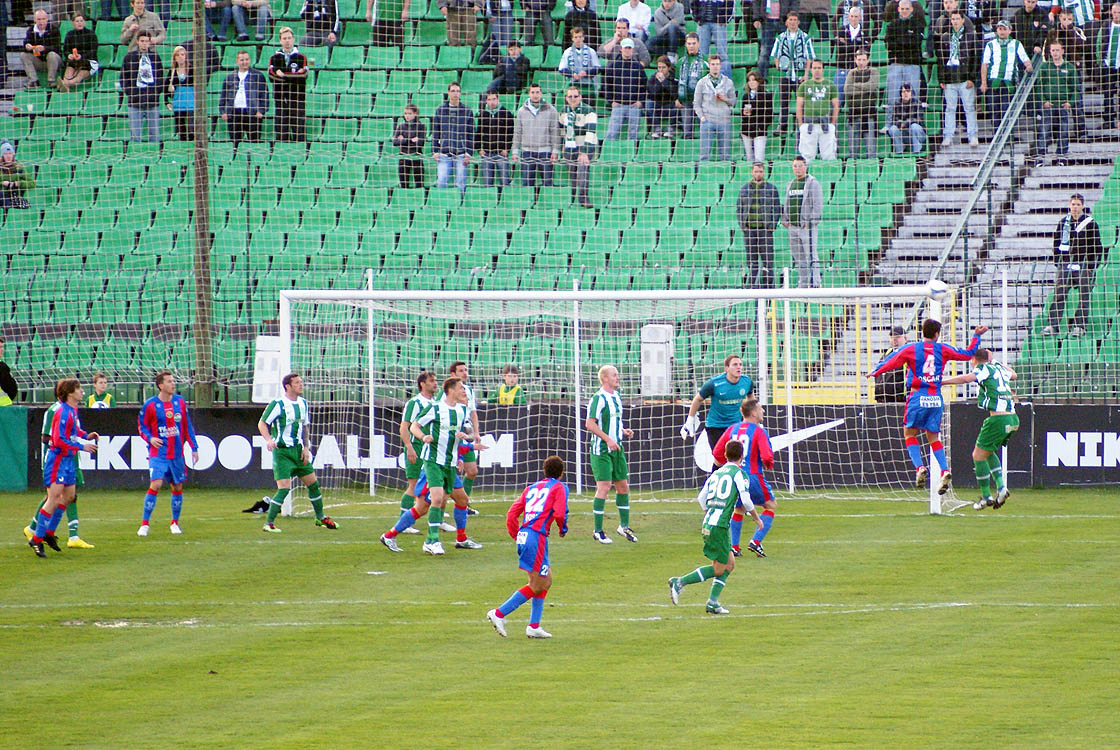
pixel 904 51
pixel 662 93
pixel 107 10
pixel 757 114
pixel 792 51
pixel 862 90
pixel 638 15
pixel 209 54
pixel 1058 91
pixel 409 137
pixel 141 76
pixel 179 93
pixel 668 28
pixel 9 388
pixel 715 95
pixel 983 15
pixel 244 101
pixel 512 71
pixel 1031 26
pixel 711 18
pixel 580 63
pixel 509 392
pixel 81 54
pixel 769 15
pixel 245 11
pixel 958 61
pixel 999 68
pixel 852 37
pixel 579 122
pixel 940 26
pixel 1075 43
pixel 759 210
pixel 42 45
pixel 536 138
pixel 493 140
pixel 869 17
pixel 818 109
pixel 287 68
pixel 801 214
pixel 624 88
pixel 581 15
pixel 499 18
pixel 142 20
pixel 815 11
pixel 907 120
pixel 453 138
pixel 1110 67
pixel 462 23
pixel 612 48
pixel 14 179
pixel 387 24
pixel 1077 250
pixel 890 387
pixel 217 12
pixel 690 70
pixel 538 15
pixel 324 25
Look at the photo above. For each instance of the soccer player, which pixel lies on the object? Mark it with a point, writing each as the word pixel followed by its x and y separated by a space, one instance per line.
pixel 283 426
pixel 926 361
pixel 470 460
pixel 727 488
pixel 752 436
pixel 75 541
pixel 67 438
pixel 996 397
pixel 542 504
pixel 608 459
pixel 444 422
pixel 100 398
pixel 413 466
pixel 727 392
pixel 163 422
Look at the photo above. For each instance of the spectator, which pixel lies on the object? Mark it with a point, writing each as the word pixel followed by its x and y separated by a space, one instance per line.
pixel 715 95
pixel 1078 51
pixel 512 71
pixel 1080 10
pixel 9 388
pixel 100 398
pixel 940 26
pixel 14 180
pixel 815 11
pixel 862 89
pixel 209 53
pixel 890 12
pixel 245 11
pixel 509 392
pixel 409 137
pixel 792 51
pixel 904 51
pixel 691 69
pixel 869 18
pixel 81 54
pixel 493 140
pixel 1110 67
pixel 462 23
pixel 711 18
pixel 578 122
pixel 287 69
pixel 759 210
pixel 179 93
pixel 958 61
pixel 387 25
pixel 42 45
pixel 757 114
pixel 1077 250
pixel 801 214
pixel 1031 26
pixel 890 387
pixel 818 109
pixel 907 116
pixel 324 25
pixel 538 15
pixel 453 138
pixel 1058 90
pixel 499 18
pixel 582 16
pixel 107 10
pixel 612 49
pixel 999 68
pixel 668 28
pixel 982 14
pixel 580 63
pixel 218 12
pixel 624 88
pixel 536 138
pixel 662 92
pixel 142 20
pixel 244 101
pixel 141 76
pixel 852 37
pixel 769 16
pixel 639 17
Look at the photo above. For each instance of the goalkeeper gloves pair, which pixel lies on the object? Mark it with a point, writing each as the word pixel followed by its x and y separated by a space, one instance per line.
pixel 691 427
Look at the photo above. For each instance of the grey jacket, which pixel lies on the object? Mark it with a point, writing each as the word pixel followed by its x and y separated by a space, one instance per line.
pixel 662 19
pixel 812 203
pixel 537 132
pixel 706 105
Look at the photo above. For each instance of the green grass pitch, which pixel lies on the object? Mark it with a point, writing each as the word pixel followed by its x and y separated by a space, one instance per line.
pixel 871 624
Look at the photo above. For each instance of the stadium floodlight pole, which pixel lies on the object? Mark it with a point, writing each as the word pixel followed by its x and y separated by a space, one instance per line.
pixel 371 362
pixel 789 378
pixel 203 321
pixel 579 398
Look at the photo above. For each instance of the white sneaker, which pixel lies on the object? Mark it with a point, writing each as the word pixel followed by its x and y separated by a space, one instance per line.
pixel 411 530
pixel 537 632
pixel 1048 331
pixel 143 530
pixel 1077 331
pixel 175 528
pixel 1001 498
pixel 390 544
pixel 498 623
pixel 627 534
pixel 468 544
pixel 433 548
pixel 716 609
pixel 601 537
pixel 674 590
pixel 445 526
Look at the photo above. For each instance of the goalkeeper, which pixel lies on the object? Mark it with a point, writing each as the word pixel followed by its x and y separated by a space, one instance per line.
pixel 727 392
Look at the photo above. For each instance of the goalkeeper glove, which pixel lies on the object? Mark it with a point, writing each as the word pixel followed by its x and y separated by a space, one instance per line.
pixel 691 427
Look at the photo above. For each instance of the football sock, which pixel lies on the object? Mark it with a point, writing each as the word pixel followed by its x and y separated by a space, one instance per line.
pixel 460 523
pixel 915 452
pixel 315 496
pixel 736 528
pixel 598 508
pixel 406 501
pixel 622 502
pixel 42 526
pixel 435 518
pixel 72 517
pixel 767 519
pixel 717 587
pixel 176 506
pixel 699 575
pixel 983 478
pixel 997 470
pixel 276 503
pixel 55 519
pixel 536 609
pixel 149 504
pixel 939 454
pixel 519 597
pixel 407 518
pixel 468 485
pixel 35 519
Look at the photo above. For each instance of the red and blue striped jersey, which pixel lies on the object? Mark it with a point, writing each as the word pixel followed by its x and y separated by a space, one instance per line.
pixel 757 452
pixel 65 430
pixel 926 360
pixel 542 503
pixel 169 421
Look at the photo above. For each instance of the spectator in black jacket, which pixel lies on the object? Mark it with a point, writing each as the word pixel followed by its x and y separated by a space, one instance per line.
pixel 409 137
pixel 142 81
pixel 759 209
pixel 890 387
pixel 661 90
pixel 904 50
pixel 958 68
pixel 244 101
pixel 81 54
pixel 853 36
pixel 287 69
pixel 512 71
pixel 757 116
pixel 493 138
pixel 907 122
pixel 9 388
pixel 624 88
pixel 582 15
pixel 41 46
pixel 1077 250
pixel 323 23
pixel 1030 25
pixel 209 53
pixel 1110 66
pixel 939 24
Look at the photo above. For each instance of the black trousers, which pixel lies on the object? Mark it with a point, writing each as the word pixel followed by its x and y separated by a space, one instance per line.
pixel 388 34
pixel 411 172
pixel 243 125
pixel 183 125
pixel 291 113
pixel 759 245
pixel 1067 280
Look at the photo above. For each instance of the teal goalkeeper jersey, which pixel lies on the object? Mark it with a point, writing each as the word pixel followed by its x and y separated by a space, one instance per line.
pixel 726 398
pixel 995 388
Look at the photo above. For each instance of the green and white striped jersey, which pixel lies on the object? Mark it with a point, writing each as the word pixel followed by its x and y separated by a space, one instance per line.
pixel 49 416
pixel 995 388
pixel 724 488
pixel 472 405
pixel 606 409
pixel 1002 56
pixel 286 420
pixel 441 420
pixel 413 408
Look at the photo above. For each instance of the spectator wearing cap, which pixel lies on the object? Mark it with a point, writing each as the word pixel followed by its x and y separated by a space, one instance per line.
pixel 999 68
pixel 14 179
pixel 510 392
pixel 624 87
pixel 890 387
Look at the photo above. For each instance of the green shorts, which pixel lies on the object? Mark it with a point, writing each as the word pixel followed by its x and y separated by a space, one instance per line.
pixel 440 476
pixel 412 469
pixel 288 463
pixel 79 480
pixel 609 467
pixel 469 457
pixel 717 544
pixel 996 431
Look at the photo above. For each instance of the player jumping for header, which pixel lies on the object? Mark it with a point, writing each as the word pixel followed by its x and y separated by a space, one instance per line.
pixel 163 423
pixel 608 459
pixel 752 435
pixel 926 360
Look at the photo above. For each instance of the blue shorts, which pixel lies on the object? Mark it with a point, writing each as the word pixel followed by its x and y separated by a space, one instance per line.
pixel 532 552
pixel 59 469
pixel 173 470
pixel 760 491
pixel 421 491
pixel 926 418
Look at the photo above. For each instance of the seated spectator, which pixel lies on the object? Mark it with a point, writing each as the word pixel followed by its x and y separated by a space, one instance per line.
pixel 217 12
pixel 690 69
pixel 907 119
pixel 1077 251
pixel 862 89
pixel 493 140
pixel 578 123
pixel 287 68
pixel 142 79
pixel 624 88
pixel 100 398
pixel 999 68
pixel 818 109
pixel 81 54
pixel 244 101
pixel 512 71
pixel 662 92
pixel 387 26
pixel 538 15
pixel 757 116
pixel 583 16
pixel 1057 91
pixel 509 392
pixel 852 37
pixel 42 45
pixel 409 137
pixel 715 95
pixel 179 93
pixel 142 20
pixel 1032 24
pixel 536 138
pixel 958 62
pixel 324 25
pixel 612 49
pixel 668 28
pixel 639 17
pixel 245 11
pixel 462 21
pixel 14 179
pixel 580 63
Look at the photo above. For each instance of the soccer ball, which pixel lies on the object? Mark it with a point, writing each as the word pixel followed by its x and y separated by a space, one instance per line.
pixel 938 289
pixel 467 429
pixel 100 405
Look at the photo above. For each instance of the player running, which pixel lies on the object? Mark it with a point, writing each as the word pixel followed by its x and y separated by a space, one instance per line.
pixel 413 466
pixel 926 360
pixel 752 436
pixel 421 503
pixel 444 421
pixel 75 541
pixel 996 397
pixel 163 422
pixel 542 504
pixel 727 392
pixel 60 464
pixel 608 459
pixel 283 426
pixel 726 489
pixel 470 460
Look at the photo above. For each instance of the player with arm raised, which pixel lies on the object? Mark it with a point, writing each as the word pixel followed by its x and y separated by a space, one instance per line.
pixel 542 504
pixel 759 454
pixel 166 427
pixel 727 488
pixel 926 360
pixel 727 392
pixel 608 459
pixel 997 398
pixel 470 460
pixel 284 429
pixel 413 466
pixel 75 541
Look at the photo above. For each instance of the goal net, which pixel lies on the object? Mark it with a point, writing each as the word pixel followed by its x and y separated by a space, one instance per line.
pixel 806 353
